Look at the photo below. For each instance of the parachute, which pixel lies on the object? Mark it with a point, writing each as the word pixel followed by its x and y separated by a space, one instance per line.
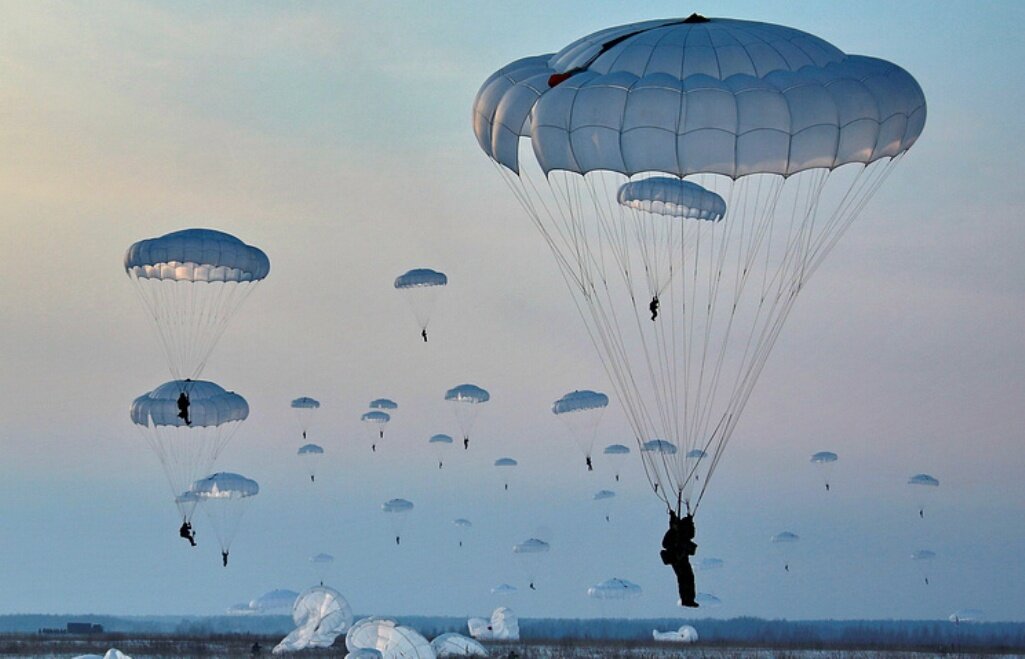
pixel 421 287
pixel 225 497
pixel 310 455
pixel 793 135
pixel 503 626
pixel 530 555
pixel 466 400
pixel 823 461
pixel 923 484
pixel 505 466
pixel 582 410
pixel 708 600
pixel 503 589
pixel 305 408
pixel 966 615
pixel 710 563
pixel 392 640
pixel 462 526
pixel 783 541
pixel 192 282
pixel 322 564
pixel 604 499
pixel 686 634
pixel 397 511
pixel 923 559
pixel 614 589
pixel 383 404
pixel 440 444
pixel 457 645
pixel 616 454
pixel 320 614
pixel 375 421
pixel 188 450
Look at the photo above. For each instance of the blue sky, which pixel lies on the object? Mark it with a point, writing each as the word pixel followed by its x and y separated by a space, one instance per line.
pixel 337 137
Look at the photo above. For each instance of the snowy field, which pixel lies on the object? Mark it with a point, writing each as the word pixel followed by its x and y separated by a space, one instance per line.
pixel 163 647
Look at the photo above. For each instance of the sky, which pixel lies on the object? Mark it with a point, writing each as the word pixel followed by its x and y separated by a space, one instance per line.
pixel 336 136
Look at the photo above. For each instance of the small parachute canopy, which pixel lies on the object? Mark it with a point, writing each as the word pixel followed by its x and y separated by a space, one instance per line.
pixel 531 546
pixel 577 401
pixel 503 589
pixel 397 506
pixel 923 479
pixel 823 457
pixel 505 462
pixel 603 494
pixel 421 278
pixel 616 449
pixel 923 555
pixel 696 454
pixel 462 523
pixel 966 615
pixel 375 416
pixel 614 589
pixel 225 485
pixel 784 537
pixel 305 403
pixel 383 404
pixel 710 563
pixel 440 439
pixel 457 645
pixel 209 405
pixel 322 558
pixel 467 393
pixel 320 614
pixel 708 600
pixel 659 446
pixel 663 195
pixel 310 449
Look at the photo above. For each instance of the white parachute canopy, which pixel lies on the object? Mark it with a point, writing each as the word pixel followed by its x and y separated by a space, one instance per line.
pixel 503 589
pixel 421 287
pixel 604 499
pixel 397 510
pixel 923 559
pixel 320 615
pixel 305 409
pixel 614 589
pixel 192 282
pixel 685 634
pixel 504 626
pixel 375 421
pixel 466 400
pixel 707 600
pixel 187 451
pixel 383 404
pixel 530 555
pixel 506 467
pixel 311 455
pixel 824 461
pixel 392 640
pixel 225 497
pixel 112 653
pixel 275 600
pixel 616 454
pixel 462 526
pixel 784 542
pixel 440 443
pixel 792 135
pixel 581 410
pixel 457 645
pixel 923 486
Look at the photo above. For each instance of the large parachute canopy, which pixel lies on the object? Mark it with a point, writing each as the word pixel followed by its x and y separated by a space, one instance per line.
pixel 187 451
pixel 192 282
pixel 225 497
pixel 582 411
pixel 503 626
pixel 789 132
pixel 457 645
pixel 320 615
pixel 421 287
pixel 466 400
pixel 392 640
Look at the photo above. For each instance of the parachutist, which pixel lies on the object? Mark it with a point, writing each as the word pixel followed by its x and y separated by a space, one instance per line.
pixel 466 443
pixel 313 479
pixel 921 513
pixel 653 307
pixel 183 408
pixel 397 540
pixel 656 488
pixel 304 434
pixel 827 487
pixel 607 519
pixel 373 447
pixel 460 543
pixel 186 532
pixel 927 581
pixel 380 434
pixel 439 464
pixel 590 467
pixel 677 548
pixel 507 487
pixel 617 478
pixel 786 567
pixel 256 649
pixel 224 558
pixel 532 586
pixel 423 333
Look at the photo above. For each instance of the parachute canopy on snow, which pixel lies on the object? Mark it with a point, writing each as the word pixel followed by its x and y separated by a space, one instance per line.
pixel 387 637
pixel 320 614
pixel 457 645
pixel 663 195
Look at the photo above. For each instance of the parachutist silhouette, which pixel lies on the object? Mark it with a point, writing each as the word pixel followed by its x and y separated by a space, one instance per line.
pixel 313 479
pixel 224 558
pixel 656 488
pixel 786 567
pixel 256 649
pixel 921 513
pixel 653 307
pixel 183 408
pixel 186 532
pixel 617 478
pixel 304 434
pixel 607 519
pixel 927 581
pixel 507 487
pixel 460 543
pixel 373 447
pixel 380 434
pixel 397 540
pixel 439 464
pixel 677 548
pixel 532 586
pixel 423 333
pixel 590 467
pixel 466 443
pixel 827 487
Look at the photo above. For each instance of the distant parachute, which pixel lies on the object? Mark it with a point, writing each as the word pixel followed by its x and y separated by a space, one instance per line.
pixel 225 497
pixel 457 645
pixel 923 559
pixel 397 511
pixel 707 600
pixel 305 409
pixel 193 282
pixel 320 614
pixel 322 564
pixel 187 451
pixel 310 455
pixel 966 615
pixel 616 454
pixel 530 555
pixel 582 411
pixel 823 461
pixel 440 443
pixel 462 526
pixel 503 589
pixel 421 287
pixel 505 466
pixel 466 400
pixel 709 563
pixel 383 404
pixel 375 421
pixel 274 600
pixel 614 589
pixel 923 484
pixel 783 541
pixel 604 499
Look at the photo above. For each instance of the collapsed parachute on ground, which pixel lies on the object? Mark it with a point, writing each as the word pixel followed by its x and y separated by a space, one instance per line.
pixel 392 640
pixel 112 653
pixel 320 614
pixel 187 451
pixel 966 615
pixel 457 645
pixel 503 626
pixel 193 282
pixel 792 134
pixel 421 287
pixel 685 634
